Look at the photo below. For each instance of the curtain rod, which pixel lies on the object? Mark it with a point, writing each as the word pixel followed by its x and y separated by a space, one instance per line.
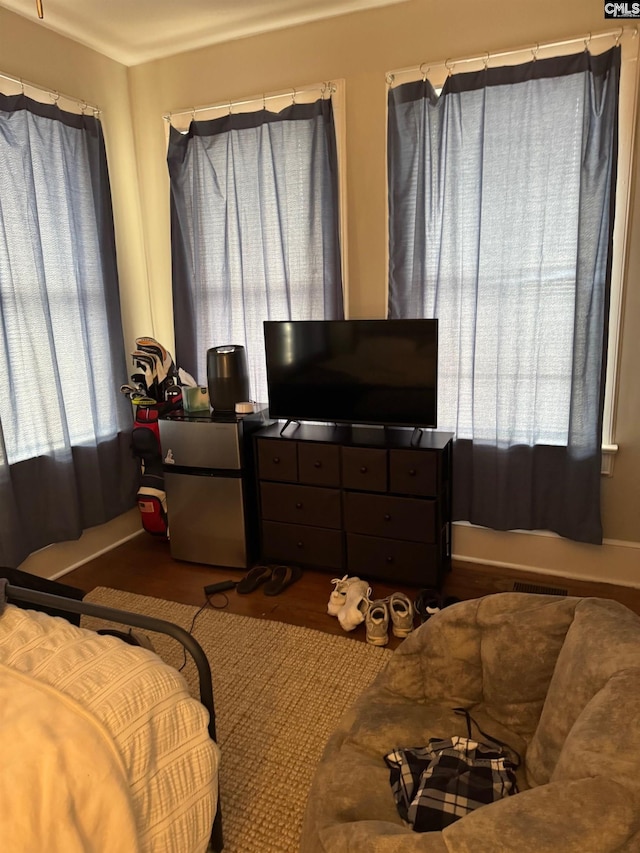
pixel 485 58
pixel 324 89
pixel 52 93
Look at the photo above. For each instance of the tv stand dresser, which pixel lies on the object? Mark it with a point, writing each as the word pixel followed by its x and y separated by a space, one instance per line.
pixel 368 501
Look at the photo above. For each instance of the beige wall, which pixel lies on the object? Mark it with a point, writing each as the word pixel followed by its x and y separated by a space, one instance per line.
pixel 358 48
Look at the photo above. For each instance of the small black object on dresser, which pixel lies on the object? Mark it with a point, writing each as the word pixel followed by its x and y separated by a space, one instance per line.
pixel 366 501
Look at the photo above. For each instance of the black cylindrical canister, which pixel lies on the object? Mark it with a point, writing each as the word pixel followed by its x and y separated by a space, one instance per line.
pixel 227 377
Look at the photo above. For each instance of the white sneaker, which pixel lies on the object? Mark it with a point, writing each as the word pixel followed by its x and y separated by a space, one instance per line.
pixel 339 594
pixel 356 605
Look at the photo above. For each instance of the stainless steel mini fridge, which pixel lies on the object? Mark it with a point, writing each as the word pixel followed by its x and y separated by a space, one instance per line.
pixel 210 486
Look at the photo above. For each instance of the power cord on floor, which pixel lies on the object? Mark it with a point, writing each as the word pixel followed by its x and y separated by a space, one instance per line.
pixel 216 589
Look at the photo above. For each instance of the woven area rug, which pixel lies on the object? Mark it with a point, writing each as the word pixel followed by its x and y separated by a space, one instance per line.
pixel 279 691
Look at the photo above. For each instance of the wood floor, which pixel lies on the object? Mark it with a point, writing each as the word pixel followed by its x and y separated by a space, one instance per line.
pixel 144 565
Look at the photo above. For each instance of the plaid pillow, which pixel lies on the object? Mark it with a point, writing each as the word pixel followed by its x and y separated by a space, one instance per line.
pixel 435 785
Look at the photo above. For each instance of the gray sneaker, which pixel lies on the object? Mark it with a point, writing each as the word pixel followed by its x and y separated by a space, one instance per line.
pixel 401 612
pixel 377 623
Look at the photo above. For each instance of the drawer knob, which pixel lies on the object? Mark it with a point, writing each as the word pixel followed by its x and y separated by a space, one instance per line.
pixel 387 517
pixel 299 544
pixel 412 472
pixel 298 505
pixel 276 459
pixel 389 559
pixel 363 469
pixel 317 464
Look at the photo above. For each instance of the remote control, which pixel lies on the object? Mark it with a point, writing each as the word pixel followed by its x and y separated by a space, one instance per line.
pixel 219 587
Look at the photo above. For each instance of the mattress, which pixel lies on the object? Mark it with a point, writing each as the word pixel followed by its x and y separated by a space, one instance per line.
pixel 135 706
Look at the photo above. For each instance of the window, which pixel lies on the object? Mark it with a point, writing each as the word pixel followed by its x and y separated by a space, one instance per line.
pixel 65 429
pixel 56 351
pixel 501 225
pixel 255 227
pixel 559 273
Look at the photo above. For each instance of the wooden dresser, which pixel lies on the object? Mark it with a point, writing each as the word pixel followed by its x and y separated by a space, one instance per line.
pixel 365 501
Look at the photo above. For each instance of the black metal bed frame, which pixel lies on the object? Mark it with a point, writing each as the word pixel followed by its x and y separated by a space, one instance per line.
pixel 137 620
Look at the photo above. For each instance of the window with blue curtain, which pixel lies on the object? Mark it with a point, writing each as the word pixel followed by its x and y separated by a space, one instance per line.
pixel 254 230
pixel 65 430
pixel 501 197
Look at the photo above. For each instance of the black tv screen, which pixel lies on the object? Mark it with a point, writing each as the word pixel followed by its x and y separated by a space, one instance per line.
pixel 353 371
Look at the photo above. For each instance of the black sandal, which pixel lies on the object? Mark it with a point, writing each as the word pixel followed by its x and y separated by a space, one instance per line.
pixel 252 580
pixel 283 576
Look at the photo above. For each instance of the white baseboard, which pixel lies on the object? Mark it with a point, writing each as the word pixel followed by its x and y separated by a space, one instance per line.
pixel 90 557
pixel 614 562
pixel 57 560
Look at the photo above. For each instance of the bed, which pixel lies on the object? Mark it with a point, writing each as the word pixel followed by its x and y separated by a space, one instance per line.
pixel 103 747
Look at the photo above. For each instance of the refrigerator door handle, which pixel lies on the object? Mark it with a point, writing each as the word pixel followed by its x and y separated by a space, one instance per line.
pixel 204 472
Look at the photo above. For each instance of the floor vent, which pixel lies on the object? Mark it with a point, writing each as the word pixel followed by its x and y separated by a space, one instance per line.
pixel 538 590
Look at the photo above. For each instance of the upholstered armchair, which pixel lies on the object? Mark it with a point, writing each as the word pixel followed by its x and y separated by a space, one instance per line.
pixel 556 678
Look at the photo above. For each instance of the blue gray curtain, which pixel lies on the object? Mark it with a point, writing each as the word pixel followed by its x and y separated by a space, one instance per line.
pixel 501 193
pixel 65 458
pixel 254 230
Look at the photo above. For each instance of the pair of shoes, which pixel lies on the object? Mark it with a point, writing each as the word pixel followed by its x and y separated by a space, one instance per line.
pixel 349 601
pixel 396 609
pixel 275 579
pixel 431 601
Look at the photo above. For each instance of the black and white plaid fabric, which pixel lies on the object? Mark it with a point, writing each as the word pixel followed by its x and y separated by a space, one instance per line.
pixel 435 785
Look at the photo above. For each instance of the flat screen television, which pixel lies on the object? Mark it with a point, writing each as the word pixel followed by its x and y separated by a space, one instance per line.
pixel 353 371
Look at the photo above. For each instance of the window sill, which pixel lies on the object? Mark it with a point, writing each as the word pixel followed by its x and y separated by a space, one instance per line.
pixel 608 456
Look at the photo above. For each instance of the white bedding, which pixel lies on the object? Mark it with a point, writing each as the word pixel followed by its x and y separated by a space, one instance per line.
pixel 59 768
pixel 158 733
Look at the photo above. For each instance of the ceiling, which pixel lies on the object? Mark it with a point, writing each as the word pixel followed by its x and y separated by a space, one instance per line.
pixel 135 31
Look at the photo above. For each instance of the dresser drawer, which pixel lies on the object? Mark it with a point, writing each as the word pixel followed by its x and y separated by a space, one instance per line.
pixel 391 517
pixel 364 468
pixel 301 504
pixel 392 560
pixel 413 472
pixel 277 460
pixel 297 543
pixel 319 464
